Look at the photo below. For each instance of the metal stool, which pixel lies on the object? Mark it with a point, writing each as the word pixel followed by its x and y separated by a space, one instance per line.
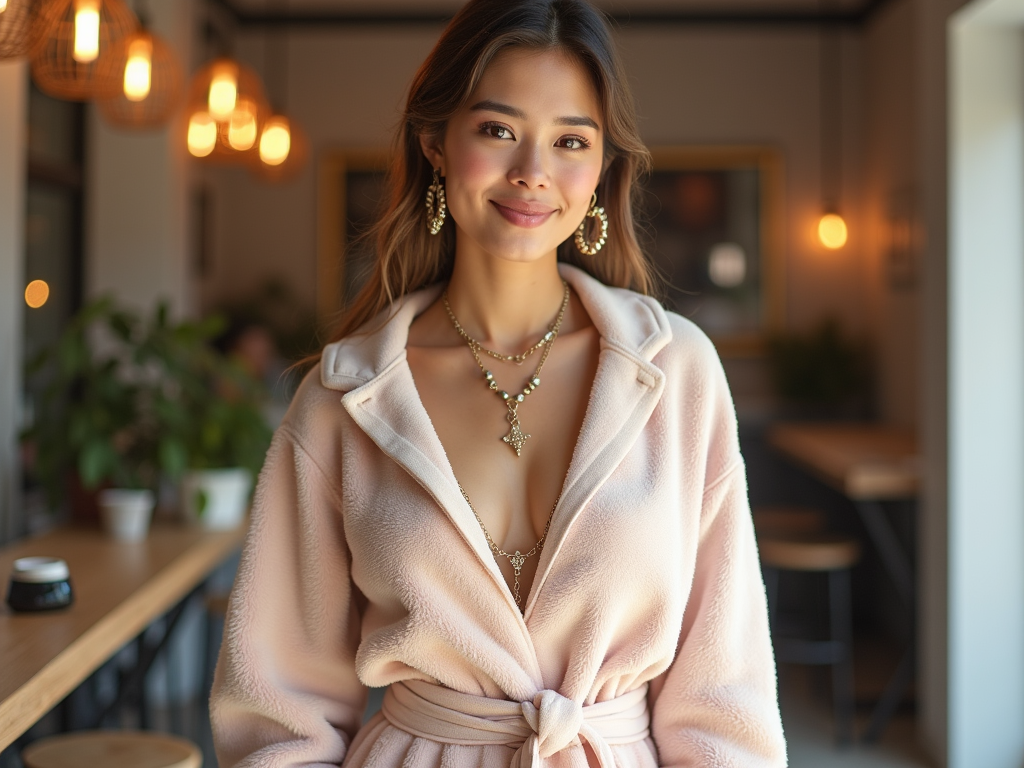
pixel 834 555
pixel 112 749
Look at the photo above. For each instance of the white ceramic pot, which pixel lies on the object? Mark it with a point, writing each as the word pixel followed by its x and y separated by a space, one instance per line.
pixel 126 513
pixel 216 498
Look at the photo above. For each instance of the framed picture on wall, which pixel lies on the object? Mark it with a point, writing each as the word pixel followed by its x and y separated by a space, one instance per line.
pixel 713 230
pixel 350 191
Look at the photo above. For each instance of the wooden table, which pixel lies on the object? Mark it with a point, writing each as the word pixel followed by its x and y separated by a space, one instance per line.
pixel 119 589
pixel 869 464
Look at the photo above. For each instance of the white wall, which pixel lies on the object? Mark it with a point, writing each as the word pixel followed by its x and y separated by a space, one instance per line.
pixel 13 121
pixel 136 231
pixel 986 388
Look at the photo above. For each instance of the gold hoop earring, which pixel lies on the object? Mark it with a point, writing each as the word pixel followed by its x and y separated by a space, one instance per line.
pixel 437 207
pixel 582 244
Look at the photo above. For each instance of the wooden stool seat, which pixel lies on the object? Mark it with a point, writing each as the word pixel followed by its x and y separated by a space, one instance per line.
pixel 810 552
pixel 779 519
pixel 112 749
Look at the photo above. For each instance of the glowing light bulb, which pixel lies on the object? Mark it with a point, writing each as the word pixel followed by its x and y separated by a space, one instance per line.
pixel 138 72
pixel 242 126
pixel 202 134
pixel 727 265
pixel 3 5
pixel 276 141
pixel 87 30
pixel 36 293
pixel 223 95
pixel 832 231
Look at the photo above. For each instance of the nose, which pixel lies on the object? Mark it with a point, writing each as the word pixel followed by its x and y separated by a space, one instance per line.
pixel 529 169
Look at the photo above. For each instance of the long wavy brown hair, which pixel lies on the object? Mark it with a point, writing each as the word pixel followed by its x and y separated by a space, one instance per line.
pixel 408 256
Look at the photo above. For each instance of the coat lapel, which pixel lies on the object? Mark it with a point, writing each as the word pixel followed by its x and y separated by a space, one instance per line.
pixel 626 389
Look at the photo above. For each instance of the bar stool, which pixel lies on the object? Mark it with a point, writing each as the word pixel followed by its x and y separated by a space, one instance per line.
pixel 788 519
pixel 112 749
pixel 834 555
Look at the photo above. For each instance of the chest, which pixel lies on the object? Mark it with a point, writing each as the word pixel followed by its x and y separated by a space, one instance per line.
pixel 513 494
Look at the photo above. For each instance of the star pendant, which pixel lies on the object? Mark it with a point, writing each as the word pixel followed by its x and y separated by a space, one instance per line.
pixel 516 438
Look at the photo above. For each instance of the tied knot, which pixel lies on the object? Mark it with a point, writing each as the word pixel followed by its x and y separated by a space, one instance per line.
pixel 555 721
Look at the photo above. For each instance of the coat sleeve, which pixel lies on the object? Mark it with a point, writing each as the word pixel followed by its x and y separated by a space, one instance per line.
pixel 716 706
pixel 285 691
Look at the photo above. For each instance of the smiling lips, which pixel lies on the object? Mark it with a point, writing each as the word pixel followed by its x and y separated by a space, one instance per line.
pixel 523 213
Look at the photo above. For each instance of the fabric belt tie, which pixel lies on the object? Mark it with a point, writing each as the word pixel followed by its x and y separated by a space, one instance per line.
pixel 538 728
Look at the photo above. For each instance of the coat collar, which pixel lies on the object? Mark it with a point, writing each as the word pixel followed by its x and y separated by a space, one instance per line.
pixel 636 325
pixel 382 399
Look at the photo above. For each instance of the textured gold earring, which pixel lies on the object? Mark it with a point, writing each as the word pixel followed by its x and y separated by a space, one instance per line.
pixel 436 205
pixel 584 245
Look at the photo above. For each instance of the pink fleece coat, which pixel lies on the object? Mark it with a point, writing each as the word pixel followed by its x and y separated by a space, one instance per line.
pixel 364 565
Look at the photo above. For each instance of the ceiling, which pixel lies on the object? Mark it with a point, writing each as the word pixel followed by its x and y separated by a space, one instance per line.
pixel 624 11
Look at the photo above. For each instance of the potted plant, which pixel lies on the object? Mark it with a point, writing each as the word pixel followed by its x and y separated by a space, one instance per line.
pixel 213 428
pixel 92 427
pixel 126 403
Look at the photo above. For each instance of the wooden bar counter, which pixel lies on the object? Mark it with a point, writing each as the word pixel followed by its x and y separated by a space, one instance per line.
pixel 119 589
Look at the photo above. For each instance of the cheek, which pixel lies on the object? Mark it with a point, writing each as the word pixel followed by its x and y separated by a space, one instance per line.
pixel 578 182
pixel 471 169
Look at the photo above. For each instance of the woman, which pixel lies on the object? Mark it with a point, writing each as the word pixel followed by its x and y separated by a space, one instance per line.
pixel 512 489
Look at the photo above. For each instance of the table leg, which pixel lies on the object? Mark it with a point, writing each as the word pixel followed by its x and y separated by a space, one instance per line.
pixel 897 562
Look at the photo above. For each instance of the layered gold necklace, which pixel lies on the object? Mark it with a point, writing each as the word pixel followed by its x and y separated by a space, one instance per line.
pixel 515 438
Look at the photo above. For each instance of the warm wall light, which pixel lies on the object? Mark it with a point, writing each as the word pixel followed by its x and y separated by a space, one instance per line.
pixel 3 5
pixel 276 141
pixel 138 70
pixel 832 231
pixel 202 134
pixel 87 30
pixel 36 293
pixel 223 95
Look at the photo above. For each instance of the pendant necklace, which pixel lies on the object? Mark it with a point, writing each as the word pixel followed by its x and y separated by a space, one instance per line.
pixel 515 438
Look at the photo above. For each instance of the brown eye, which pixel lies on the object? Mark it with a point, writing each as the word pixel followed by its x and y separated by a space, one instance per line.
pixel 573 142
pixel 496 131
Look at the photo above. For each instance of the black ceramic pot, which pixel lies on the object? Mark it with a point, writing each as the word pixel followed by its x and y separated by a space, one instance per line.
pixel 39 584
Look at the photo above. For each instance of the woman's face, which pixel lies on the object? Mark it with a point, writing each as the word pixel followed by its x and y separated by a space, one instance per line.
pixel 523 157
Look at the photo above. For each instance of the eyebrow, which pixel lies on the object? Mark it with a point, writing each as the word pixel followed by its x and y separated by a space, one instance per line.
pixel 505 109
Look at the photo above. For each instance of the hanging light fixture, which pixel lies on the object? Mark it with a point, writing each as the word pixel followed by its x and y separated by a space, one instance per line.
pixel 832 230
pixel 283 147
pixel 16 24
pixel 225 102
pixel 143 78
pixel 73 37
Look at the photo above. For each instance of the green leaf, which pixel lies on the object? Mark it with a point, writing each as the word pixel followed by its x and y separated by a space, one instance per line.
pixel 96 462
pixel 173 457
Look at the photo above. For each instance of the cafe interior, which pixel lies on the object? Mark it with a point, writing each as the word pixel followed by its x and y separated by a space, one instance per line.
pixel 836 199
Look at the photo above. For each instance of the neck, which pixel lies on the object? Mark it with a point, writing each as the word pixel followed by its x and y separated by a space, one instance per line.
pixel 505 305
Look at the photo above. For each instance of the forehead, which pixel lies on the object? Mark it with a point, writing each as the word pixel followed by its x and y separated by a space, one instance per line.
pixel 542 84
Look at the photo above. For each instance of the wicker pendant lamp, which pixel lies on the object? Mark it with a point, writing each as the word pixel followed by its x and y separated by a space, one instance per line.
pixel 283 150
pixel 226 111
pixel 143 79
pixel 16 27
pixel 73 37
pixel 283 147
